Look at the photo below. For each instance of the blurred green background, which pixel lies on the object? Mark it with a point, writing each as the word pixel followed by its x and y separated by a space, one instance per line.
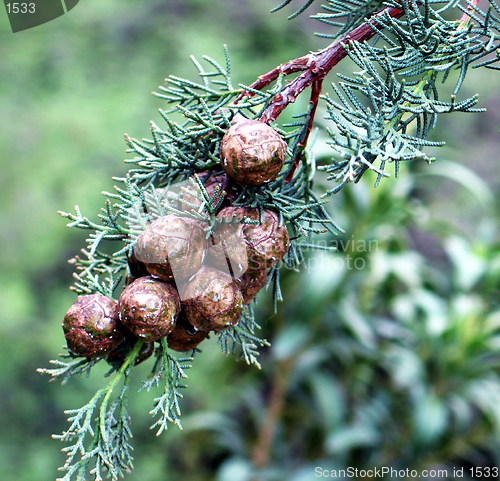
pixel 384 353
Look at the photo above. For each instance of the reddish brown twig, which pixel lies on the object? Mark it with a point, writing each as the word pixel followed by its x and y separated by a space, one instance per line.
pixel 315 93
pixel 318 65
pixel 292 66
pixel 314 68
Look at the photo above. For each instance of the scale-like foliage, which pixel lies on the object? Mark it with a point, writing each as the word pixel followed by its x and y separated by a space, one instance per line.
pixel 243 338
pixel 170 372
pixel 99 432
pixel 386 110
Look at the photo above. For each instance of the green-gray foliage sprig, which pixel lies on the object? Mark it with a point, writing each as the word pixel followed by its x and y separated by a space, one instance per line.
pixel 64 370
pixel 170 372
pixel 386 111
pixel 243 339
pixel 405 50
pixel 99 432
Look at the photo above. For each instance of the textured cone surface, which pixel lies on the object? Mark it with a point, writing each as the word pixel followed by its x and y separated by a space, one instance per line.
pixel 149 308
pixel 91 326
pixel 227 250
pixel 172 247
pixel 251 282
pixel 267 242
pixel 212 301
pixel 185 337
pixel 252 153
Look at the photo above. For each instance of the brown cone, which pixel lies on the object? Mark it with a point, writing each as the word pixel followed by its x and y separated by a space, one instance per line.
pixel 149 308
pixel 185 337
pixel 172 246
pixel 227 250
pixel 212 301
pixel 191 195
pixel 251 282
pixel 136 269
pixel 252 153
pixel 267 243
pixel 91 326
pixel 117 356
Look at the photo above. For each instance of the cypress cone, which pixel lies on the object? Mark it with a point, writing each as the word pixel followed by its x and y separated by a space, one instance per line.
pixel 252 152
pixel 211 181
pixel 172 246
pixel 251 282
pixel 211 300
pixel 184 336
pixel 136 269
pixel 227 250
pixel 117 356
pixel 91 326
pixel 149 308
pixel 267 242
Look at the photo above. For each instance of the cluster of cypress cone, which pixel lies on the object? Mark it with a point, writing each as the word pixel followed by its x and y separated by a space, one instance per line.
pixel 182 285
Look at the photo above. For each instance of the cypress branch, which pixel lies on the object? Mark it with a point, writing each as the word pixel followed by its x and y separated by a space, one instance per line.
pixel 379 115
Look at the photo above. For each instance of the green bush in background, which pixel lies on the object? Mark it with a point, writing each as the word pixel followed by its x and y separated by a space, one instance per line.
pixel 385 353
